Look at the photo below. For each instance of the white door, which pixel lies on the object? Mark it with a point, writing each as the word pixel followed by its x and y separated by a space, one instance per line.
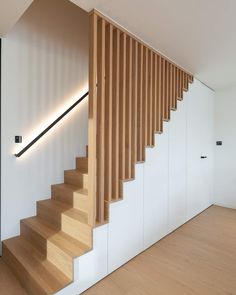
pixel 200 148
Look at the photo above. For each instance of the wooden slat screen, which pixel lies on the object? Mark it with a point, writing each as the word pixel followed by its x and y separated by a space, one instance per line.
pixel 132 90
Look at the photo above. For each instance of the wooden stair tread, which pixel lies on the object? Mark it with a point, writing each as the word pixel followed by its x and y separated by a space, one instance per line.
pixel 65 209
pixel 76 177
pixel 85 158
pixel 68 244
pixel 78 215
pixel 50 278
pixel 72 188
pixel 67 186
pixel 82 191
pixel 77 172
pixel 56 205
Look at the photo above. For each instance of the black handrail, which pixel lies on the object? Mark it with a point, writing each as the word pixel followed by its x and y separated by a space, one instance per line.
pixel 51 125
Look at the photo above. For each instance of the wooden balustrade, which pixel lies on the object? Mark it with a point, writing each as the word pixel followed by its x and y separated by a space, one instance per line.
pixel 132 90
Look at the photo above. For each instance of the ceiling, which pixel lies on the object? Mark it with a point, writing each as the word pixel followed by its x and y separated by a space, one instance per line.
pixel 10 12
pixel 199 35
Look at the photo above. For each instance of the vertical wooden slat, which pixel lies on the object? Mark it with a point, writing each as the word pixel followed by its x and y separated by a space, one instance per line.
pixel 179 84
pixel 174 100
pixel 167 91
pixel 170 89
pixel 159 112
pixel 150 99
pixel 154 97
pixel 115 112
pixel 176 88
pixel 101 120
pixel 108 112
pixel 163 88
pixel 186 81
pixel 134 105
pixel 128 120
pixel 122 110
pixel 140 104
pixel 183 85
pixel 171 85
pixel 176 83
pixel 145 101
pixel 188 78
pixel 92 125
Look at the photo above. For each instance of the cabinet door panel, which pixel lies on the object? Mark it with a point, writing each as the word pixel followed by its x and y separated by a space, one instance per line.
pixel 200 144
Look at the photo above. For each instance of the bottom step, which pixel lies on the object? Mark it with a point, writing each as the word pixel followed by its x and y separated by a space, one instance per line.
pixel 34 271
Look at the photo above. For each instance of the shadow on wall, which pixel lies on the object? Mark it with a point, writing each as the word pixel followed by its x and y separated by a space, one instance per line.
pixel 44 69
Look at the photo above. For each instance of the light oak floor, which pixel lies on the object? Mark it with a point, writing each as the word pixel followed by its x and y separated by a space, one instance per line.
pixel 198 258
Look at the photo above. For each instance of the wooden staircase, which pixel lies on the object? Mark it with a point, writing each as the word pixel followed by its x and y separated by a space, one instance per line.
pixel 132 90
pixel 42 256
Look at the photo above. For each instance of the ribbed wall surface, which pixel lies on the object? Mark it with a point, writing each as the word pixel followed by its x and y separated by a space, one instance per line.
pixel 44 69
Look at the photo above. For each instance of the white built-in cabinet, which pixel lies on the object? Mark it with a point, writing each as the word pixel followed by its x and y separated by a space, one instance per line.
pixel 172 186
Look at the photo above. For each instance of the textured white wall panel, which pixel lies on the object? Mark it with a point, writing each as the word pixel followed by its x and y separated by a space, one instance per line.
pixel 44 70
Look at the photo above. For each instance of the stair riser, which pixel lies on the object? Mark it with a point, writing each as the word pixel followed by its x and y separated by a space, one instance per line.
pixel 81 202
pixel 38 241
pixel 77 230
pixel 31 286
pixel 77 179
pixel 60 259
pixel 82 164
pixel 71 226
pixel 53 253
pixel 62 195
pixel 76 200
pixel 49 215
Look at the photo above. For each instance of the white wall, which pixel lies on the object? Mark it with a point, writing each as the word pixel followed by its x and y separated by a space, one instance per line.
pixel 44 69
pixel 173 185
pixel 225 163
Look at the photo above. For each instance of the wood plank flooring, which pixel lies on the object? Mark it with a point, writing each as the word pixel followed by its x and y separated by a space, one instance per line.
pixel 198 258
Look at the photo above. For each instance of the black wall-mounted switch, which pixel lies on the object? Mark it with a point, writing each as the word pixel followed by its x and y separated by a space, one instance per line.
pixel 18 139
pixel 219 143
